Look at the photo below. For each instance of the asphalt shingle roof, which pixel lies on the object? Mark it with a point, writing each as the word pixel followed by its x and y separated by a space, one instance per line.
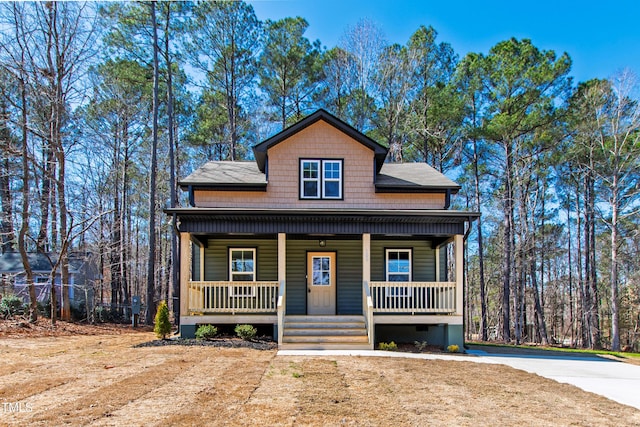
pixel 226 173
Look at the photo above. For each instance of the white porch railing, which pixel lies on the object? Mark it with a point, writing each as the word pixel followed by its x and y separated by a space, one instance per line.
pixel 233 297
pixel 413 297
pixel 281 306
pixel 367 310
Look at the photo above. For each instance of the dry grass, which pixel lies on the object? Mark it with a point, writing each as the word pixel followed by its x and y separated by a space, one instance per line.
pixel 103 380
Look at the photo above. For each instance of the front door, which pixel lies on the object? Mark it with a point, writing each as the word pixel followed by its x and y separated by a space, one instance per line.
pixel 321 283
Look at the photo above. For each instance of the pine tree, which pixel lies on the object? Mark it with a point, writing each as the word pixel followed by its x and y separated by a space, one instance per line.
pixel 162 326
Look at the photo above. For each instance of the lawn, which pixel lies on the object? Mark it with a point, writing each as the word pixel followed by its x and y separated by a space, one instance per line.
pixel 105 380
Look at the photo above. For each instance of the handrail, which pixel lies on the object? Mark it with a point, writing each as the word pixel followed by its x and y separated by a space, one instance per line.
pixel 367 310
pixel 281 310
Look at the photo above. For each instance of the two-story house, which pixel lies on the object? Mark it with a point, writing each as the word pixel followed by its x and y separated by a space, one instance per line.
pixel 322 239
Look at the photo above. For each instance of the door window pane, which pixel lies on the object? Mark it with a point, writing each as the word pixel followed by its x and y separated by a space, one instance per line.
pixel 321 271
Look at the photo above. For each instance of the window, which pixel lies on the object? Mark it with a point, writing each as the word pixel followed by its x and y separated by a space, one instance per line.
pixel 242 269
pixel 321 179
pixel 398 270
pixel 321 269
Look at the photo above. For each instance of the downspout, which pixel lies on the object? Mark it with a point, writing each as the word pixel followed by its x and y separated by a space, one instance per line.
pixel 447 198
pixel 192 201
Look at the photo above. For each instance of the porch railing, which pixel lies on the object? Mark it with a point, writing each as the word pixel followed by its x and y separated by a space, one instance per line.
pixel 413 297
pixel 233 297
pixel 281 305
pixel 367 310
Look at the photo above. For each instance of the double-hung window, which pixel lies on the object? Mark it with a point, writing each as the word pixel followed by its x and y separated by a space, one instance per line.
pixel 320 179
pixel 398 262
pixel 242 268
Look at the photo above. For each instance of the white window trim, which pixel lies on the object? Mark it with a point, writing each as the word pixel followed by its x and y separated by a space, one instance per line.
pixel 399 291
pixel 338 180
pixel 304 180
pixel 321 180
pixel 239 287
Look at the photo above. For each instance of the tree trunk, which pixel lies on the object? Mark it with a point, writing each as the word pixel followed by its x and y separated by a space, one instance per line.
pixel 150 294
pixel 7 233
pixel 507 244
pixel 24 226
pixel 615 327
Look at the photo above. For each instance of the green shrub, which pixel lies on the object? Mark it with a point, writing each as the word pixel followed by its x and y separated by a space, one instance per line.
pixel 246 332
pixel 206 332
pixel 11 305
pixel 453 348
pixel 163 325
pixel 392 346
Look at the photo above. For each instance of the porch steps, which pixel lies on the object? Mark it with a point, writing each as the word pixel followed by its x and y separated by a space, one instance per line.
pixel 325 333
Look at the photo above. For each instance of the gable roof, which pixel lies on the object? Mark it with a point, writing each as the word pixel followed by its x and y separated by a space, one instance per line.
pixel 260 150
pixel 225 174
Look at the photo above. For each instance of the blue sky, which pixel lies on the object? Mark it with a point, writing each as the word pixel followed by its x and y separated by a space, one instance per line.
pixel 601 37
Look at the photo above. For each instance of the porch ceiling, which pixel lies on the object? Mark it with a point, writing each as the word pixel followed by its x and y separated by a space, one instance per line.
pixel 347 221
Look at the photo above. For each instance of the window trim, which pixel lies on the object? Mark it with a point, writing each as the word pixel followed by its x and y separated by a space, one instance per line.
pixel 239 287
pixel 304 180
pixel 321 180
pixel 398 291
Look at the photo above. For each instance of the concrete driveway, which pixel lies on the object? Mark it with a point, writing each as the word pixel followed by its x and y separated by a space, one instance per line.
pixel 612 379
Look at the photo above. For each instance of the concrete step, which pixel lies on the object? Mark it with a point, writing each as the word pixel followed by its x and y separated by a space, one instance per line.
pixel 324 346
pixel 325 325
pixel 325 339
pixel 325 332
pixel 288 331
pixel 323 319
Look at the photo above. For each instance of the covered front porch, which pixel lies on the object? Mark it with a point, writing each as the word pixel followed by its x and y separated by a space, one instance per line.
pixel 324 290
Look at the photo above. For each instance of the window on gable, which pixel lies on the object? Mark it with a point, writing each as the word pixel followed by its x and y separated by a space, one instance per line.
pixel 320 179
pixel 310 182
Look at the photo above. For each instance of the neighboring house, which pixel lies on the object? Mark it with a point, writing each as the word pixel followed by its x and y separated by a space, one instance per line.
pixel 82 276
pixel 322 239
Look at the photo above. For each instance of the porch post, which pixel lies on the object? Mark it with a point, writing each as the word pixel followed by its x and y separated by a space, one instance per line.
pixel 282 286
pixel 282 257
pixel 459 255
pixel 366 257
pixel 185 275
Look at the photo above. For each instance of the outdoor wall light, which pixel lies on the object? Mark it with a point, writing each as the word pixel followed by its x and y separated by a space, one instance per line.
pixel 322 243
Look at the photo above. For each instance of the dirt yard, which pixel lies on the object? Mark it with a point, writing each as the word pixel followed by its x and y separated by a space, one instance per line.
pixel 103 380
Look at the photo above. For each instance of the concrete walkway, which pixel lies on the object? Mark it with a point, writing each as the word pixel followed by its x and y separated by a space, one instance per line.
pixel 614 380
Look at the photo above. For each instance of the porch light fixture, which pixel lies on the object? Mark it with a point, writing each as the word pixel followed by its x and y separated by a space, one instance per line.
pixel 322 243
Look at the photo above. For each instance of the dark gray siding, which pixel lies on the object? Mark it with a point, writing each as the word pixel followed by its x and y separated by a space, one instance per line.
pixel 349 269
pixel 296 275
pixel 216 257
pixel 423 257
pixel 195 262
pixel 348 277
pixel 443 263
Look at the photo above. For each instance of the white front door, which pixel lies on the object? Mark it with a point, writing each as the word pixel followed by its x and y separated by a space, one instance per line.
pixel 321 283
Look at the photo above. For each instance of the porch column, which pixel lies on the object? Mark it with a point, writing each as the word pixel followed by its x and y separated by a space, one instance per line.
pixel 366 257
pixel 185 272
pixel 282 287
pixel 282 257
pixel 459 255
